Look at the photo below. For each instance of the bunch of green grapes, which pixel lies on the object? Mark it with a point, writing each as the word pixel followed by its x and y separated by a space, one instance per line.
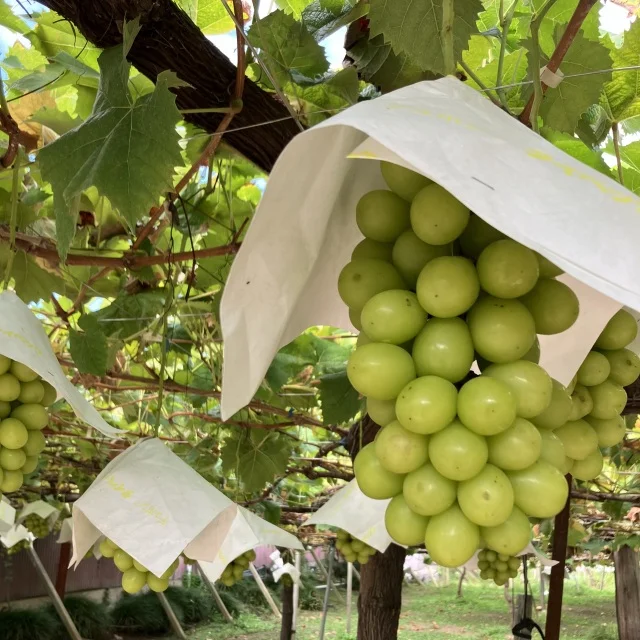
pixel 353 549
pixel 38 526
pixel 434 289
pixel 234 571
pixel 18 547
pixel 134 575
pixel 598 398
pixel 498 567
pixel 24 397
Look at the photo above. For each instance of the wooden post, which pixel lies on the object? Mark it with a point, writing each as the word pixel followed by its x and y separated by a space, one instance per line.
pixel 520 612
pixel 173 620
pixel 214 593
pixel 63 568
pixel 542 574
pixel 296 594
pixel 327 593
pixel 349 595
pixel 627 592
pixel 556 581
pixel 53 594
pixel 324 572
pixel 265 592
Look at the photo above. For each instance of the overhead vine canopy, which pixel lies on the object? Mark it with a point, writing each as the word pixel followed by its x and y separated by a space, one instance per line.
pixel 135 153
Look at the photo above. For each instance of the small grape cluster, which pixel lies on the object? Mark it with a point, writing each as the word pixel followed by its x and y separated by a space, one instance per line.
pixel 599 397
pixel 134 575
pixel 498 567
pixel 38 526
pixel 234 571
pixel 18 547
pixel 353 549
pixel 24 397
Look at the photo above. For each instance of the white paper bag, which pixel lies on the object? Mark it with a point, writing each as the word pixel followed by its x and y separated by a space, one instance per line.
pixel 16 534
pixel 7 515
pixel 362 517
pixel 153 505
pixel 41 509
pixel 247 532
pixel 283 279
pixel 22 338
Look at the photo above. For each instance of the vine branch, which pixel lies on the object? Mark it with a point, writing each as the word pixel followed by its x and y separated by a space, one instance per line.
pixel 529 113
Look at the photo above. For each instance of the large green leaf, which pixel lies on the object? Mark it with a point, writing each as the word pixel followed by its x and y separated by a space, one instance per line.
pixel 340 401
pixel 562 107
pixel 209 15
pixel 10 20
pixel 126 149
pixel 129 314
pixel 621 96
pixel 377 63
pixel 257 456
pixel 324 17
pixel 294 7
pixel 323 99
pixel 630 162
pixel 287 47
pixel 413 27
pixel 88 347
pixel 54 34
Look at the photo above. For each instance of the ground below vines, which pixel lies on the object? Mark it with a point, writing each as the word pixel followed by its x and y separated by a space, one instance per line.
pixel 434 613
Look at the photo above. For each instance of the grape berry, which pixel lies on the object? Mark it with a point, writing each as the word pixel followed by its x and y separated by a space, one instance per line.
pixel 352 549
pixel 497 566
pixel 38 526
pixel 234 571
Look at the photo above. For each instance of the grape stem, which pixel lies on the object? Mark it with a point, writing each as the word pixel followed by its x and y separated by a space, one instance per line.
pixel 615 132
pixel 446 37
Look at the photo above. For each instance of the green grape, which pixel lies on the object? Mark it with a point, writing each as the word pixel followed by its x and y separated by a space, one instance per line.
pixel 373 479
pixel 518 447
pixel 382 215
pixel 609 399
pixel 33 416
pixel 399 450
pixel 547 268
pixel 122 560
pixel 31 391
pixel 50 394
pixel 436 216
pixel 625 366
pixel 558 411
pixel 620 331
pixel 477 236
pixel 158 585
pixel 22 372
pixel 368 248
pixel 410 255
pixel 581 403
pixel 553 305
pixel 360 280
pixel 382 412
pixel 393 316
pixel 402 181
pixel 13 434
pixel 486 406
pixel 594 370
pixel 426 405
pixel 458 453
pixel 9 387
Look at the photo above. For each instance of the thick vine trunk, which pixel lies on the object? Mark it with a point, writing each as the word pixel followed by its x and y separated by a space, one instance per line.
pixel 286 626
pixel 627 567
pixel 169 39
pixel 380 597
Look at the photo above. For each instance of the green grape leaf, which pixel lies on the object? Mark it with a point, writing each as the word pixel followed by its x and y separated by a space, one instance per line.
pixel 52 34
pixel 323 99
pixel 126 149
pixel 88 347
pixel 340 401
pixel 412 27
pixel 594 126
pixel 562 107
pixel 257 456
pixel 130 314
pixel 210 15
pixel 630 163
pixel 324 17
pixel 86 450
pixel 31 282
pixel 10 20
pixel 621 96
pixel 577 149
pixel 294 7
pixel 378 64
pixel 287 47
pixel 271 512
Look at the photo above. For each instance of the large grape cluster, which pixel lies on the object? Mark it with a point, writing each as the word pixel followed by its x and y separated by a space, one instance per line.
pixel 498 567
pixel 38 526
pixel 465 457
pixel 23 398
pixel 353 549
pixel 134 575
pixel 234 571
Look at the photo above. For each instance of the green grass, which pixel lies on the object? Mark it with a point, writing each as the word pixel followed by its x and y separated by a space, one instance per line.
pixel 435 613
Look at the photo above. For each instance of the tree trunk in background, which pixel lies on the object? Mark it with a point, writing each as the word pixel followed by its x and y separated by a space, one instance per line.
pixel 460 581
pixel 287 609
pixel 380 597
pixel 627 592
